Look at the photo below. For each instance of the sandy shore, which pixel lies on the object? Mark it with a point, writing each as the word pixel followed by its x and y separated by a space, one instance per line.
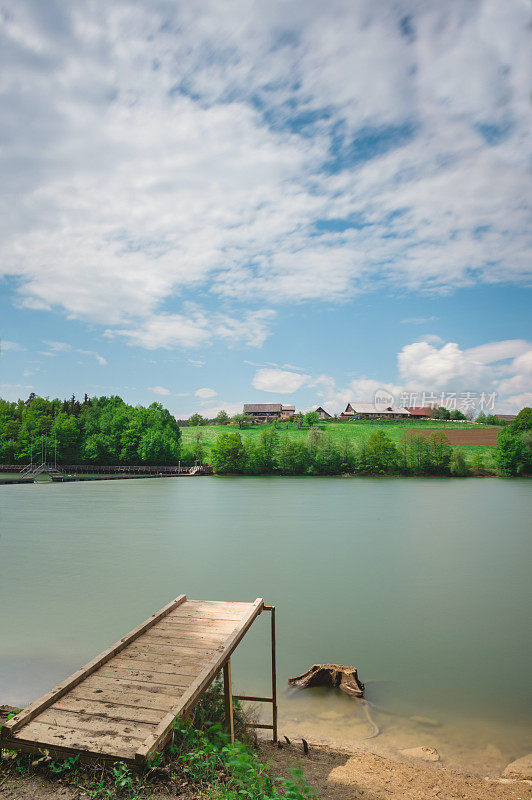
pixel 334 774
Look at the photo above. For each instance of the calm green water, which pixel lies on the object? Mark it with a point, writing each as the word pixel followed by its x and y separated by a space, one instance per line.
pixel 423 584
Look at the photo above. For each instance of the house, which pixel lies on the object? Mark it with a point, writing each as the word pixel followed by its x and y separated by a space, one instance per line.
pixel 506 417
pixel 266 412
pixel 419 411
pixel 371 411
pixel 323 414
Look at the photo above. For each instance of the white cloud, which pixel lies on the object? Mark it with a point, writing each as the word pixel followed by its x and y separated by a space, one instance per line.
pixel 205 393
pixel 179 161
pixel 196 362
pixel 278 380
pixel 100 359
pixel 6 345
pixel 197 328
pixel 159 390
pixel 57 347
pixel 210 412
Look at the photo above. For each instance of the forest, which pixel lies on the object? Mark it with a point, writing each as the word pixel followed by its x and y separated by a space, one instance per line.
pixel 97 430
pixel 106 430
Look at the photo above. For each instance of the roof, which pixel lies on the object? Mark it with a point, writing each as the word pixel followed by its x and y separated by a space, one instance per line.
pixel 254 408
pixel 419 411
pixel 288 408
pixel 320 408
pixel 371 408
pixel 508 417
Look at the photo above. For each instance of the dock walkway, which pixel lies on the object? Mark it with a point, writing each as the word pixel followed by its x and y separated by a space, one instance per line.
pixel 122 704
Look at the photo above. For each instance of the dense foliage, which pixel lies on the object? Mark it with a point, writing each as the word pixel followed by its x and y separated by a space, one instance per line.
pixel 513 454
pixel 319 454
pixel 100 430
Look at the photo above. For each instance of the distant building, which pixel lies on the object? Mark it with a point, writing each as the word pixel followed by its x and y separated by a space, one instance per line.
pixel 370 411
pixel 419 411
pixel 506 417
pixel 323 414
pixel 266 412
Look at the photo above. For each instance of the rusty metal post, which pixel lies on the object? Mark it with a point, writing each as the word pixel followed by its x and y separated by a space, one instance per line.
pixel 228 701
pixel 271 609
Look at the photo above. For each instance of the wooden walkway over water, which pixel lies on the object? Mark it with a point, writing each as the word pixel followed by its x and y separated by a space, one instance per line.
pixel 122 704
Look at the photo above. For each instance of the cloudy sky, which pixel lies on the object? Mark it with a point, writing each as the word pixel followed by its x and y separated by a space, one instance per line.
pixel 215 202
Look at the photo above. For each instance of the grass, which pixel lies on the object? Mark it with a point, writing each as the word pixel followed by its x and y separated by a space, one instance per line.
pixel 339 431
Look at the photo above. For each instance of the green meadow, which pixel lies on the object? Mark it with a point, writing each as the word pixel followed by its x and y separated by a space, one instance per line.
pixel 354 431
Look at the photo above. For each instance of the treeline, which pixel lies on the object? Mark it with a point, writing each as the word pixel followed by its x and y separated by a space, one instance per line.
pixel 320 454
pixel 276 452
pixel 97 430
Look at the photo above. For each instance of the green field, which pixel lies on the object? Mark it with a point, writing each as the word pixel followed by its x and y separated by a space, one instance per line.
pixel 354 431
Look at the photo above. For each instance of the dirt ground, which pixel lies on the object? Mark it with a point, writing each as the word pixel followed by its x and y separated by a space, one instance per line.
pixel 461 436
pixel 335 775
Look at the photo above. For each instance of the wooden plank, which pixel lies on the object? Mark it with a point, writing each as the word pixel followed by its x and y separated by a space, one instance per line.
pixel 34 732
pixel 31 711
pixel 139 699
pixel 209 642
pixel 211 615
pixel 153 678
pixel 189 632
pixel 101 684
pixel 163 730
pixel 107 710
pixel 192 651
pixel 149 661
pixel 190 623
pixel 94 723
pixel 130 667
pixel 219 604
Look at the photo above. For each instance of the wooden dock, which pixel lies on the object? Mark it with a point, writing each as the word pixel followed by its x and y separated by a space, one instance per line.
pixel 122 704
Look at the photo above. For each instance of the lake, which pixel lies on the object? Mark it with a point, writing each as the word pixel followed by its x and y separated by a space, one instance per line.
pixel 422 583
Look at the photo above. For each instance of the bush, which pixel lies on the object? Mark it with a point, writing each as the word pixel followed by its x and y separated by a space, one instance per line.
pixel 459 467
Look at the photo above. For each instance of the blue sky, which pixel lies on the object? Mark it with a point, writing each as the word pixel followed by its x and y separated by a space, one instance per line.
pixel 208 204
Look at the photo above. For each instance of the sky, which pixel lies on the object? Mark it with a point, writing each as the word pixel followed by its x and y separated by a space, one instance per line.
pixel 211 203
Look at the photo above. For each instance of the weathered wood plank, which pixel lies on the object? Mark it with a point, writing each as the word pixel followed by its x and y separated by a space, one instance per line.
pixel 210 642
pixel 165 664
pixel 153 678
pixel 160 736
pixel 189 623
pixel 120 746
pixel 208 615
pixel 101 684
pixel 138 699
pixel 192 651
pixel 31 711
pixel 94 723
pixel 107 710
pixel 152 670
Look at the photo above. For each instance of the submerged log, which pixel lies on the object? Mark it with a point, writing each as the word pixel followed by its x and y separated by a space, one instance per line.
pixel 339 676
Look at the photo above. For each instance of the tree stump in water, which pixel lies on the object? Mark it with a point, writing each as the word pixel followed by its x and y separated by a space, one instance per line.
pixel 339 676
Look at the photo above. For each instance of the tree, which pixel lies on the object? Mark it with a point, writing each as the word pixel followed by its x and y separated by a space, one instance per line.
pixel 380 453
pixel 459 466
pixel 298 418
pixel 239 419
pixel 456 414
pixel 222 418
pixel 440 413
pixel 311 418
pixel 228 453
pixel 440 452
pixel 523 421
pixel 197 419
pixel 511 454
